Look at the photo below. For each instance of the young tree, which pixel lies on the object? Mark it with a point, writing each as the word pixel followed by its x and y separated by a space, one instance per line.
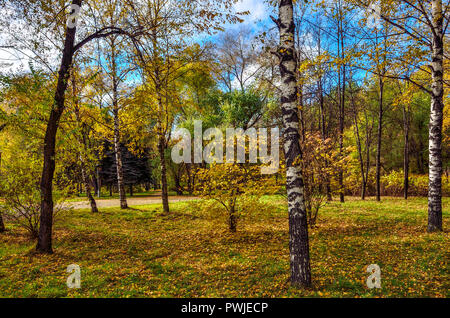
pixel 82 143
pixel 342 84
pixel 316 57
pixel 298 227
pixel 379 55
pixel 116 78
pixel 44 244
pixel 366 125
pixel 339 22
pixel 318 162
pixel 165 54
pixel 404 101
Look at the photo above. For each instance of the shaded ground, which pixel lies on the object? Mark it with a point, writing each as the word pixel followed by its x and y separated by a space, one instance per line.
pixel 141 252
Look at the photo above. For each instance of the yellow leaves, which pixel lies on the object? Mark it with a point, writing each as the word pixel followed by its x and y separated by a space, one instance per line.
pixel 233 185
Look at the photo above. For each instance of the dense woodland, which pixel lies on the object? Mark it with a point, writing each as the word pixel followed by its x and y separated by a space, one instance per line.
pixel 90 103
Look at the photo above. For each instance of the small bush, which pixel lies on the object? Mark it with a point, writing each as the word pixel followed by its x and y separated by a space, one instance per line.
pixel 21 203
pixel 235 188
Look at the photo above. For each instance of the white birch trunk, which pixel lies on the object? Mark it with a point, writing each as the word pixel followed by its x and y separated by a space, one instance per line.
pixel 298 227
pixel 436 119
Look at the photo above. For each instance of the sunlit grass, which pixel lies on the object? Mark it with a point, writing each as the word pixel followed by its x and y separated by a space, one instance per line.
pixel 141 252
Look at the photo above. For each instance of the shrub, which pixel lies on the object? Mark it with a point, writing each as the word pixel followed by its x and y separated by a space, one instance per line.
pixel 236 187
pixel 21 203
pixel 321 164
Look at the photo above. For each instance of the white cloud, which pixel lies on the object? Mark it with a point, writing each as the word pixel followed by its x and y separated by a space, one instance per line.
pixel 258 9
pixel 248 76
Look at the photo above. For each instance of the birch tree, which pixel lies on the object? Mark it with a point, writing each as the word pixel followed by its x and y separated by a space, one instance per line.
pixel 424 25
pixel 298 227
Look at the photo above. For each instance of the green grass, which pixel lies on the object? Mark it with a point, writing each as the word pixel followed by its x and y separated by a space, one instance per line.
pixel 142 253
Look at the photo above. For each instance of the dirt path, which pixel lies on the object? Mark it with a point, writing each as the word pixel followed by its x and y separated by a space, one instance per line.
pixel 110 203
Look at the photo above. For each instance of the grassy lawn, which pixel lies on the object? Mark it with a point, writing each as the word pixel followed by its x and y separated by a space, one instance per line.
pixel 141 253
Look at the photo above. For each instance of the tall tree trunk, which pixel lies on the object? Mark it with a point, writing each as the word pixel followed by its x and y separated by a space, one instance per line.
pixel 381 67
pixel 177 175
pixel 323 127
pixel 379 136
pixel 406 168
pixel 158 81
pixel 406 152
pixel 324 136
pixel 360 157
pixel 87 186
pixel 298 227
pixel 44 244
pixel 162 148
pixel 117 149
pixel 119 167
pixel 2 225
pixel 368 144
pixel 162 158
pixel 341 144
pixel 85 148
pixel 341 54
pixel 436 119
pixel 358 144
pixel 99 182
pixel 232 220
pixel 189 178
